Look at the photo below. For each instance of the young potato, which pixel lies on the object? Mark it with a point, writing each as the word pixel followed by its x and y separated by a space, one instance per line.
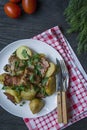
pixel 51 70
pixel 23 52
pixel 12 95
pixel 50 87
pixel 36 105
pixel 2 77
pixel 29 94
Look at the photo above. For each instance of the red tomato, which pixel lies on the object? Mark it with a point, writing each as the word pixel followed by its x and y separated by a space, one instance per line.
pixel 15 1
pixel 29 6
pixel 12 10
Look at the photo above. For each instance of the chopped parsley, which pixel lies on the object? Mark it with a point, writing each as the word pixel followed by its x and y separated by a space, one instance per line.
pixel 18 89
pixel 17 64
pixel 24 53
pixel 44 81
pixel 22 103
pixel 31 78
pixel 4 87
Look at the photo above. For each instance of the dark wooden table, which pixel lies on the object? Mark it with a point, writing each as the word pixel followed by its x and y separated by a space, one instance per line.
pixel 49 13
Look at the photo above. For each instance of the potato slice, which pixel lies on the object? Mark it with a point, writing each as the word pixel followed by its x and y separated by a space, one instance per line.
pixel 36 105
pixel 51 69
pixel 14 97
pixel 23 52
pixel 29 94
pixel 50 88
pixel 2 78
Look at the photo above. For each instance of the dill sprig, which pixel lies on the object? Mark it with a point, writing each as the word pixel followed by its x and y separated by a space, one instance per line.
pixel 76 15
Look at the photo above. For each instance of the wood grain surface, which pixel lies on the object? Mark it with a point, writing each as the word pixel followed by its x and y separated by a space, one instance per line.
pixel 49 13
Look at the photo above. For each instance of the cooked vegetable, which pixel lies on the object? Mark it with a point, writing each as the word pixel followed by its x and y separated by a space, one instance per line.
pixel 36 105
pixel 50 87
pixel 12 95
pixel 29 94
pixel 2 78
pixel 23 52
pixel 51 70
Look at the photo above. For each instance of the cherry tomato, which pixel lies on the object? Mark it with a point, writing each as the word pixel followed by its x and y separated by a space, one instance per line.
pixel 15 1
pixel 12 10
pixel 29 6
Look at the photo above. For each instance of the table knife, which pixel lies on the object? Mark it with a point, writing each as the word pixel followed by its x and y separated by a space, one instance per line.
pixel 59 92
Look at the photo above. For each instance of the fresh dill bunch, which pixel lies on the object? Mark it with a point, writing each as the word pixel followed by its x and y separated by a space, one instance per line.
pixel 76 16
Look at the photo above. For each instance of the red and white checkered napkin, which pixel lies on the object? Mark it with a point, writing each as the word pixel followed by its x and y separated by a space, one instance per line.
pixel 77 92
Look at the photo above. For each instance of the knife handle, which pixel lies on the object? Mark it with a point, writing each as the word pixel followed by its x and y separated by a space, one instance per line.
pixel 59 106
pixel 64 107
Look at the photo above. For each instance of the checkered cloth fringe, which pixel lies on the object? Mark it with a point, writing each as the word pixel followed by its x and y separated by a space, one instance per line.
pixel 77 92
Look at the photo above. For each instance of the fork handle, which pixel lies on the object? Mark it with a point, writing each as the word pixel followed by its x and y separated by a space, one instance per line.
pixel 64 107
pixel 59 106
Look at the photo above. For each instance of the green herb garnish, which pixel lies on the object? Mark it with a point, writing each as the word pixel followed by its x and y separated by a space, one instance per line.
pixel 22 103
pixel 31 78
pixel 29 62
pixel 44 81
pixel 17 64
pixel 24 53
pixel 37 68
pixel 18 89
pixel 4 87
pixel 36 58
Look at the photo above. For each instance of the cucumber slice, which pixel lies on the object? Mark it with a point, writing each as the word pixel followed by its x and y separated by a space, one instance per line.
pixel 23 52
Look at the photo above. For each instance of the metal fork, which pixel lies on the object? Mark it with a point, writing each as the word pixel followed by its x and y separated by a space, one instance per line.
pixel 65 75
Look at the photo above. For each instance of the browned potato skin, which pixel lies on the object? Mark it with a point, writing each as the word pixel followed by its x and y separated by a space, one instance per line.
pixel 51 70
pixel 2 78
pixel 50 88
pixel 29 94
pixel 36 105
pixel 12 95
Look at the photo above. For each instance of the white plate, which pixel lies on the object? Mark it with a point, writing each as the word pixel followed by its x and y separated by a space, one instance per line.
pixel 24 111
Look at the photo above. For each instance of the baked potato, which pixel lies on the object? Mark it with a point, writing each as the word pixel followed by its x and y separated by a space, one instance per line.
pixel 12 95
pixel 51 69
pixel 2 77
pixel 23 52
pixel 29 94
pixel 50 87
pixel 36 105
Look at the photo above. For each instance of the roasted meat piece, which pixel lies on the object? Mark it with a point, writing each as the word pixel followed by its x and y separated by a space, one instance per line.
pixel 44 66
pixel 11 80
